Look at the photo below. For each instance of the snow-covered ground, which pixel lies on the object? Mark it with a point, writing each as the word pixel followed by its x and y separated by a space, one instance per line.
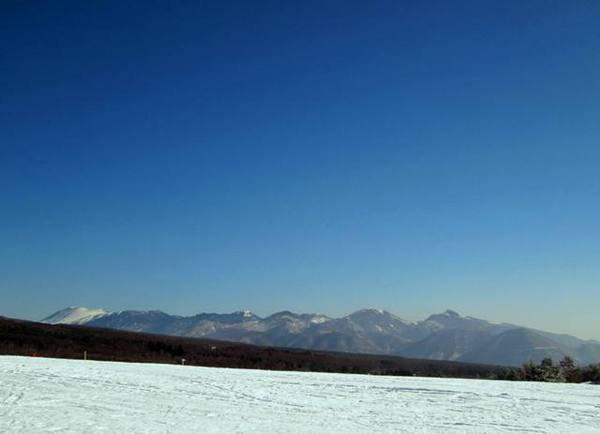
pixel 40 395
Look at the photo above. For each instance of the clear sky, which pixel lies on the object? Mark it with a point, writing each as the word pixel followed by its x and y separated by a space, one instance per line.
pixel 319 156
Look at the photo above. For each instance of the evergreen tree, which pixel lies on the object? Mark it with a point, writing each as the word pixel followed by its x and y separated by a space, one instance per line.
pixel 591 373
pixel 550 371
pixel 569 370
pixel 532 372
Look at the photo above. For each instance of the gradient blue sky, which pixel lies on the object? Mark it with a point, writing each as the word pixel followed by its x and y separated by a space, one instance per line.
pixel 311 156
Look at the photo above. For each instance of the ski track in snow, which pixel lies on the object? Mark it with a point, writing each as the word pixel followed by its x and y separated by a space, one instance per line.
pixel 53 395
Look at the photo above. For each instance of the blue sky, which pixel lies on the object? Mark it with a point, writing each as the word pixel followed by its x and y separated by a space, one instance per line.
pixel 311 156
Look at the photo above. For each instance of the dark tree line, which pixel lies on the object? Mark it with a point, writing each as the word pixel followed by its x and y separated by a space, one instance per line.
pixel 566 371
pixel 161 347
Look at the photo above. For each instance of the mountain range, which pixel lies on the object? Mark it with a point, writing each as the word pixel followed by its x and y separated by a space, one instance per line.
pixel 443 336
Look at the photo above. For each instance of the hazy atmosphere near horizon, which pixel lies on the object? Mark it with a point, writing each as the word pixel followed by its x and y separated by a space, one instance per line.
pixel 305 156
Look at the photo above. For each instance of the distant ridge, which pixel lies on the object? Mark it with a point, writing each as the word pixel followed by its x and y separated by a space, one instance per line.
pixel 514 346
pixel 443 336
pixel 27 338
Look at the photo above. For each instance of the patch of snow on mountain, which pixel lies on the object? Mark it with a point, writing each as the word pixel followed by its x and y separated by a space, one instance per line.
pixel 319 319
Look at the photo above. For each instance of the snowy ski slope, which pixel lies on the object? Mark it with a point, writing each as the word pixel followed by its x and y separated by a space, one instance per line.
pixel 42 395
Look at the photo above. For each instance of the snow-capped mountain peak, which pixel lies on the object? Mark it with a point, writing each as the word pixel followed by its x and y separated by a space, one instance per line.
pixel 451 313
pixel 75 315
pixel 370 310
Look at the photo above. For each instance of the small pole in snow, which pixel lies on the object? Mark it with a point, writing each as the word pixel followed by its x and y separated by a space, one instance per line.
pixel 84 355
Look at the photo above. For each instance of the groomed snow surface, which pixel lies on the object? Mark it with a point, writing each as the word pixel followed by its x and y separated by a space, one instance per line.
pixel 41 395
